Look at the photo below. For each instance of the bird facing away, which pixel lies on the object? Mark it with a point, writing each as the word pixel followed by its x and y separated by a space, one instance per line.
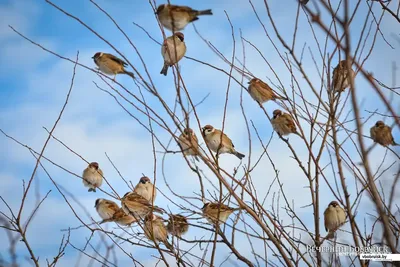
pixel 121 218
pixel 382 134
pixel 106 208
pixel 210 212
pixel 175 18
pixel 334 217
pixel 92 177
pixel 213 140
pixel 283 123
pixel 110 64
pixel 134 204
pixel 340 77
pixel 172 50
pixel 155 230
pixel 261 92
pixel 146 189
pixel 189 143
pixel 177 225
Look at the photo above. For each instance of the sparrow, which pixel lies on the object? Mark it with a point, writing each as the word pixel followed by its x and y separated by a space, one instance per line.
pixel 155 230
pixel 340 77
pixel 334 217
pixel 382 134
pixel 134 204
pixel 213 140
pixel 210 212
pixel 110 64
pixel 283 123
pixel 175 18
pixel 106 208
pixel 177 225
pixel 189 143
pixel 172 50
pixel 92 176
pixel 121 218
pixel 146 189
pixel 262 92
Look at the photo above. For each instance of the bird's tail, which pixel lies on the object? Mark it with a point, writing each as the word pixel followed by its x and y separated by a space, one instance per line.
pixel 168 245
pixel 395 144
pixel 238 154
pixel 204 12
pixel 296 132
pixel 164 70
pixel 129 73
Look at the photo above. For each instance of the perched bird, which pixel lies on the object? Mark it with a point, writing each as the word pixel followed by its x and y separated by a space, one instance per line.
pixel 106 208
pixel 155 230
pixel 177 225
pixel 146 189
pixel 175 18
pixel 382 134
pixel 283 123
pixel 220 144
pixel 211 210
pixel 172 50
pixel 122 218
pixel 262 92
pixel 134 204
pixel 92 176
pixel 334 217
pixel 189 143
pixel 110 64
pixel 340 77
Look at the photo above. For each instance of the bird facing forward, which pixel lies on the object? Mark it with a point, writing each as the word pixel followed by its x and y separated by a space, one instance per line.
pixel 189 143
pixel 146 189
pixel 134 204
pixel 172 50
pixel 219 144
pixel 382 134
pixel 110 64
pixel 175 18
pixel 155 229
pixel 92 177
pixel 177 225
pixel 211 210
pixel 106 208
pixel 340 77
pixel 334 217
pixel 283 123
pixel 261 92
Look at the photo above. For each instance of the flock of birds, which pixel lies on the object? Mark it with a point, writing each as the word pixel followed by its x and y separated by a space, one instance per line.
pixel 138 206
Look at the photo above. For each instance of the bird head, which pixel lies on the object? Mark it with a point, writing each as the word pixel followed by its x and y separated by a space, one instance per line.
pixel 276 113
pixel 97 55
pixel 208 129
pixel 334 204
pixel 144 180
pixel 94 165
pixel 160 8
pixel 379 124
pixel 180 36
pixel 188 131
pixel 98 201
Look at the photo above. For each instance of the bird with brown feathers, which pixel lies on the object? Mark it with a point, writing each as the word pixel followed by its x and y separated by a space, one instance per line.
pixel 334 218
pixel 172 50
pixel 175 18
pixel 110 64
pixel 214 212
pixel 92 176
pixel 155 230
pixel 106 208
pixel 134 204
pixel 341 76
pixel 382 134
pixel 123 219
pixel 146 189
pixel 262 92
pixel 177 225
pixel 283 123
pixel 189 143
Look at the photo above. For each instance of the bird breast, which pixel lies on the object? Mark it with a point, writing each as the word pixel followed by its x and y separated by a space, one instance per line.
pixel 174 54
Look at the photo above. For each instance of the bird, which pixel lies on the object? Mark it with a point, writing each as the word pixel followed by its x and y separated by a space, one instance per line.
pixel 111 65
pixel 146 189
pixel 211 210
pixel 172 50
pixel 123 219
pixel 134 204
pixel 106 208
pixel 177 225
pixel 334 217
pixel 262 92
pixel 92 176
pixel 189 143
pixel 283 123
pixel 155 230
pixel 217 143
pixel 340 77
pixel 382 134
pixel 175 18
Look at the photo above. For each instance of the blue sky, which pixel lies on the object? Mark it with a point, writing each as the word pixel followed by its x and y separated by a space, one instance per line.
pixel 34 85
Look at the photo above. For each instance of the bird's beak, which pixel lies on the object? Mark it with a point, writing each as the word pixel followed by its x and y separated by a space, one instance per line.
pixel 93 57
pixel 248 82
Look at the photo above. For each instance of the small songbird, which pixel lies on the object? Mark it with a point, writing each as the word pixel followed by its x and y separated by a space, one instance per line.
pixel 92 177
pixel 340 77
pixel 262 92
pixel 146 189
pixel 106 208
pixel 110 64
pixel 175 18
pixel 283 123
pixel 213 140
pixel 122 218
pixel 172 50
pixel 155 230
pixel 189 143
pixel 177 225
pixel 382 134
pixel 211 209
pixel 134 204
pixel 334 217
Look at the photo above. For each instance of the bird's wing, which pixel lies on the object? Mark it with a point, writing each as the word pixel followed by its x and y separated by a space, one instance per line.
pixel 181 9
pixel 112 205
pixel 118 60
pixel 289 122
pixel 325 219
pixel 226 141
